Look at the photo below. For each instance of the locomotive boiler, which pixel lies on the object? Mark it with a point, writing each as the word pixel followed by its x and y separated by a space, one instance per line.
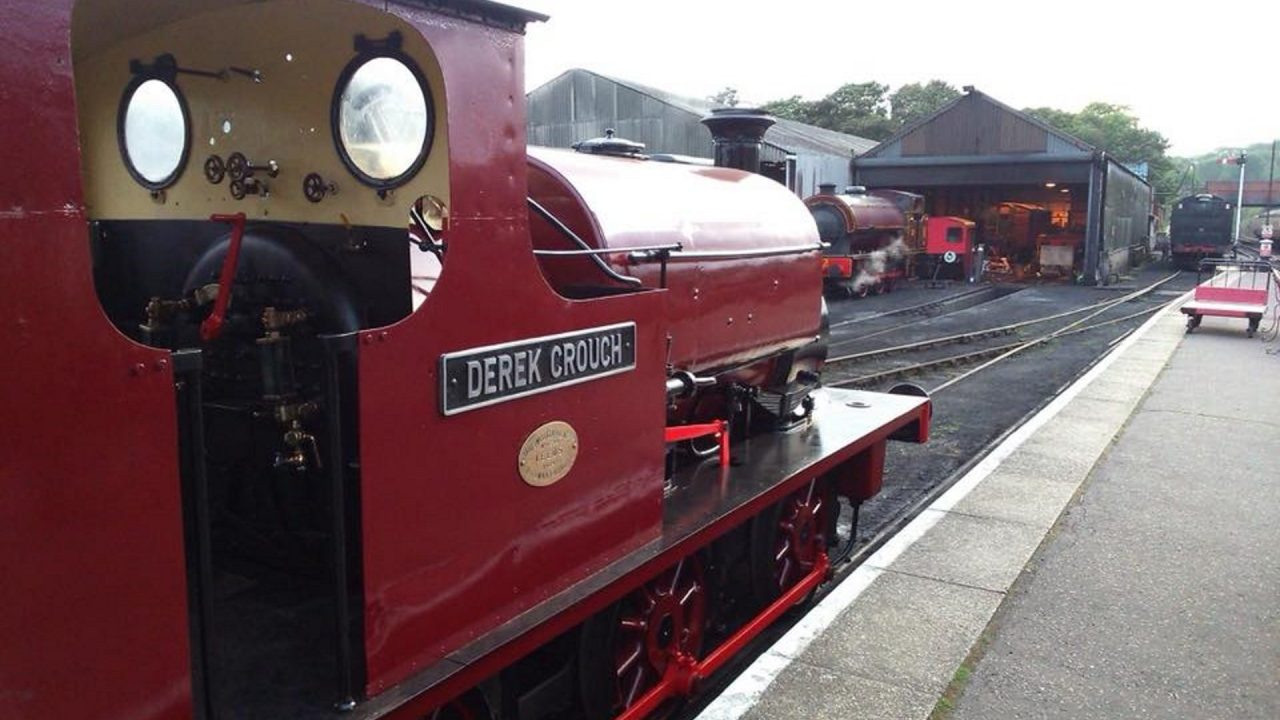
pixel 870 238
pixel 328 398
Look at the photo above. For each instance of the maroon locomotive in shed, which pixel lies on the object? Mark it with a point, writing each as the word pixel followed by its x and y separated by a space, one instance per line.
pixel 325 397
pixel 871 237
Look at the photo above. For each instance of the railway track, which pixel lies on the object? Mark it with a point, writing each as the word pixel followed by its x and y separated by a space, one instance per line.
pixel 997 331
pixel 999 352
pixel 924 308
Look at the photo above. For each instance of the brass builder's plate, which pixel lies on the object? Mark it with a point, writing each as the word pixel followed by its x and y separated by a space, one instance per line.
pixel 548 454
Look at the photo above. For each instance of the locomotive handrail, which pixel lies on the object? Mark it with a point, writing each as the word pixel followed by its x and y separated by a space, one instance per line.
pixel 673 247
pixel 545 214
pixel 739 254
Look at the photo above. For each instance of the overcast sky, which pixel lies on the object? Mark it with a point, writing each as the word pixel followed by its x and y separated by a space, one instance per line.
pixel 1147 55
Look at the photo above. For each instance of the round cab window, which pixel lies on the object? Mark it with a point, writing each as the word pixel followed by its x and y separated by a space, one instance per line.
pixel 154 133
pixel 382 118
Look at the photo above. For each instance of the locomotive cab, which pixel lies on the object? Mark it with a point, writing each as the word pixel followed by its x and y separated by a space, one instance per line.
pixel 331 399
pixel 949 244
pixel 263 183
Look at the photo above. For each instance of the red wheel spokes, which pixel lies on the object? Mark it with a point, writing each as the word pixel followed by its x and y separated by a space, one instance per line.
pixel 800 535
pixel 665 616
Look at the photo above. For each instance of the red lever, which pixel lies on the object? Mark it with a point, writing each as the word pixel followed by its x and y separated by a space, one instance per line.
pixel 211 328
pixel 719 428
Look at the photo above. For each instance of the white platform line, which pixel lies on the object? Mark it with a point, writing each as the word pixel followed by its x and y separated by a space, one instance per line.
pixel 746 690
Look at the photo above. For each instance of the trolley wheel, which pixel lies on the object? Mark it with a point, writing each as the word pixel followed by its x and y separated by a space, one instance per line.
pixel 467 706
pixel 787 538
pixel 625 649
pixel 1193 322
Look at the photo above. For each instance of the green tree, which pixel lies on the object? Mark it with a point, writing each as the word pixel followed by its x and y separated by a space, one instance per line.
pixel 792 108
pixel 916 101
pixel 727 97
pixel 1209 166
pixel 856 108
pixel 1116 131
pixel 1060 119
pixel 863 109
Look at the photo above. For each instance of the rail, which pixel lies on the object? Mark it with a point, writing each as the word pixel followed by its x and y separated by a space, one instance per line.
pixel 913 309
pixel 1002 351
pixel 994 331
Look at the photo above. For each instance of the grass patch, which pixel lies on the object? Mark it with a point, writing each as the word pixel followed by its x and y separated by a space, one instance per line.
pixel 960 679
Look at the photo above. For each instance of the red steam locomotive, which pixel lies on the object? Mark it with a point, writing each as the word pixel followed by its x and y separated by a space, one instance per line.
pixel 870 237
pixel 326 398
pixel 873 239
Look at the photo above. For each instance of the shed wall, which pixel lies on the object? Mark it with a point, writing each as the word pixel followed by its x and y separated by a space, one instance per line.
pixel 1126 207
pixel 814 169
pixel 578 106
pixel 973 127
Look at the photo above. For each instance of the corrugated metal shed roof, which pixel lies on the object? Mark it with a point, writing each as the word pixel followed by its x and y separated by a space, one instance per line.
pixel 786 135
pixel 793 135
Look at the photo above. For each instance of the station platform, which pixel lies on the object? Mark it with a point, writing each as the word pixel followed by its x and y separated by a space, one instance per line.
pixel 1117 556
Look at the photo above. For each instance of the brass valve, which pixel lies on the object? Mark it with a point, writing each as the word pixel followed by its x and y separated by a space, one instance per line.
pixel 274 320
pixel 302 447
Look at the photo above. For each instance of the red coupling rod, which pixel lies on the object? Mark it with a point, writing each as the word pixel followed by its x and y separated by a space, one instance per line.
pixel 718 428
pixel 683 672
pixel 211 328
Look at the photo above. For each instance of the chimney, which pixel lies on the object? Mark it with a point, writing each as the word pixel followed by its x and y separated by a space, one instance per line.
pixel 826 188
pixel 738 133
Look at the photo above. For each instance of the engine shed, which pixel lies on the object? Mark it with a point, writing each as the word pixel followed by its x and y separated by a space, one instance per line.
pixel 580 104
pixel 1048 202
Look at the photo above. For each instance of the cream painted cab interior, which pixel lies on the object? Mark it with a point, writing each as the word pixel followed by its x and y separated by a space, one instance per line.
pixel 258 79
pixel 322 123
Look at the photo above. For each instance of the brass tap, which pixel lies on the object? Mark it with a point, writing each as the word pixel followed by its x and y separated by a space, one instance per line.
pixel 274 320
pixel 302 448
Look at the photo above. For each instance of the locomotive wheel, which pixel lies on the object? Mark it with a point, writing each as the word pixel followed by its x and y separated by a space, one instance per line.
pixel 787 538
pixel 626 649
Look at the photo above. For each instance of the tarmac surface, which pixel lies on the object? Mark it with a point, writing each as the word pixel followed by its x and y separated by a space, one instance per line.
pixel 1153 595
pixel 1160 595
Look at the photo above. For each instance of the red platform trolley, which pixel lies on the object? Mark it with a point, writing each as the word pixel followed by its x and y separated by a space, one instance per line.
pixel 326 397
pixel 1233 289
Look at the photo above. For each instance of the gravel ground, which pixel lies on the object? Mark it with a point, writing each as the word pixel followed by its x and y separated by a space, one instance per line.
pixel 976 411
pixel 836 373
pixel 1025 304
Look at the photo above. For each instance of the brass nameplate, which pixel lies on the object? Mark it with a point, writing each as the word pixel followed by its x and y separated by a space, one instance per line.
pixel 548 453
